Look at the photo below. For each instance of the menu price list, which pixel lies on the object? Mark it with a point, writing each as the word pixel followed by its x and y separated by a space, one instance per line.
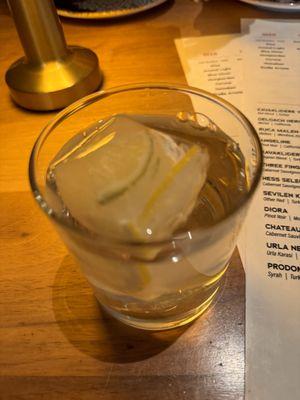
pixel 258 71
pixel 278 128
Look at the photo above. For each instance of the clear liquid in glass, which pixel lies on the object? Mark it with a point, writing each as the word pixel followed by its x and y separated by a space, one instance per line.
pixel 150 286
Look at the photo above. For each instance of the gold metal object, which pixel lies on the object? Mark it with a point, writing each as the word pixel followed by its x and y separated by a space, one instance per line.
pixel 52 74
pixel 118 12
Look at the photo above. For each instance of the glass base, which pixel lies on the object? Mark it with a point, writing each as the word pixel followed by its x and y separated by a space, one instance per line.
pixel 163 323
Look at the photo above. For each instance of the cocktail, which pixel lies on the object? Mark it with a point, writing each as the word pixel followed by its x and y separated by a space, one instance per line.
pixel 148 186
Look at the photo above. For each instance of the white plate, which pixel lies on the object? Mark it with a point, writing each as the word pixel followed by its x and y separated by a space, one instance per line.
pixel 274 5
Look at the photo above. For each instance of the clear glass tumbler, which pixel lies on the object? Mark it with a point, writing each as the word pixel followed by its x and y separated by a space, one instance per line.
pixel 157 285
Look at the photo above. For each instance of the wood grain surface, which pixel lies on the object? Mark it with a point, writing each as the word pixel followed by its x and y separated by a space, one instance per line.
pixel 55 342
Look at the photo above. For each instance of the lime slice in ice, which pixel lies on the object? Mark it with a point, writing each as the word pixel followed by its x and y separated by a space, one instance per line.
pixel 103 167
pixel 123 161
pixel 130 182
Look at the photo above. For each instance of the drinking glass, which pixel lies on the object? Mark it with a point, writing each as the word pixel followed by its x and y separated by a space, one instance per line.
pixel 153 285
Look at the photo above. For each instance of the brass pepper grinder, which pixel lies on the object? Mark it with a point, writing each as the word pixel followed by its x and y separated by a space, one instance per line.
pixel 52 74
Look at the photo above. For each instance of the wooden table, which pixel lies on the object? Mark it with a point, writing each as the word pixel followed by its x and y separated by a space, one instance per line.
pixel 55 341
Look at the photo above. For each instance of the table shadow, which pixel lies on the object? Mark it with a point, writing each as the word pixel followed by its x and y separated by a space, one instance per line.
pixel 93 331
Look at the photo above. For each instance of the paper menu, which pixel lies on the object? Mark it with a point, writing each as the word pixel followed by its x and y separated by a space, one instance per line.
pixel 263 67
pixel 218 68
pixel 271 252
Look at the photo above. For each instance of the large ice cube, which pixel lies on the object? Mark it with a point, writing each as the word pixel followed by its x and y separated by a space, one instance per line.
pixel 129 181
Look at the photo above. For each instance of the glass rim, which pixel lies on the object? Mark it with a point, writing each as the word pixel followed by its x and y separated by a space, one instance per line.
pixel 101 94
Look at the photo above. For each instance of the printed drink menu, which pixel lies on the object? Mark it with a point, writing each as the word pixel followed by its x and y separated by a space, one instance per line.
pixel 259 72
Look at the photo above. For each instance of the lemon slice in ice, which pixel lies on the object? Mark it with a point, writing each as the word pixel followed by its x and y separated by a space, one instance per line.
pixel 128 181
pixel 172 201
